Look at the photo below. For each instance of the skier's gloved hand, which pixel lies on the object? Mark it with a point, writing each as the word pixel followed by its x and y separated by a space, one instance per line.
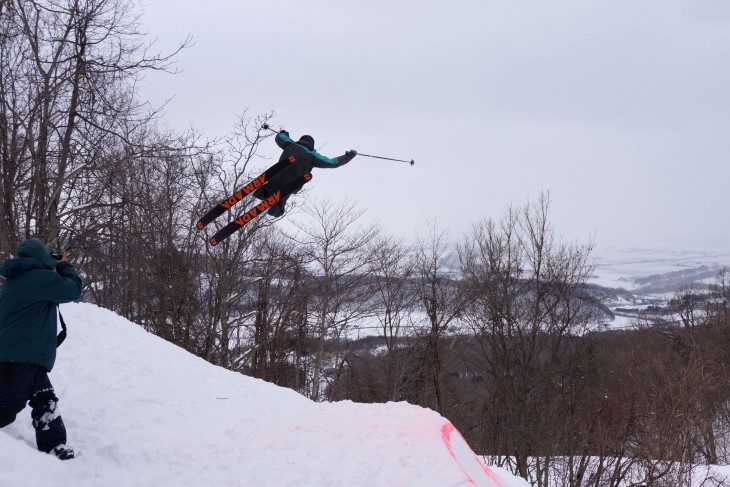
pixel 282 131
pixel 351 154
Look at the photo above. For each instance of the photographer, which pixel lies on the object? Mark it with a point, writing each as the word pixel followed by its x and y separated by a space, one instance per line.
pixel 36 282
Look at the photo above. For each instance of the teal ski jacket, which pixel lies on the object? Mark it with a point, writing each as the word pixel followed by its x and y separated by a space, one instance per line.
pixel 307 158
pixel 28 304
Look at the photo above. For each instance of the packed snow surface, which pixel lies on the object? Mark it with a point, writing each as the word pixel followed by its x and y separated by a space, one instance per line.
pixel 143 412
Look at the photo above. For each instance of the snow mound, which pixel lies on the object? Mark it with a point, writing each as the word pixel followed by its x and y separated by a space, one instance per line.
pixel 143 412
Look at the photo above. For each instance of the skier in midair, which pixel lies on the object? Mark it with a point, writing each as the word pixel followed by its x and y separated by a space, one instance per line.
pixel 298 158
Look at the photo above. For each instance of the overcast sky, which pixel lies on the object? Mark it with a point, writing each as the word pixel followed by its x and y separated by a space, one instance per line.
pixel 619 108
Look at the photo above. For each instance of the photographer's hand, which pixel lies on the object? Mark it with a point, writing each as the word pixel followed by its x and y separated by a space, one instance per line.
pixel 60 256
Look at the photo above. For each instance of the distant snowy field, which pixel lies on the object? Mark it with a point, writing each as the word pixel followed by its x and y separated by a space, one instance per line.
pixel 630 268
pixel 143 412
pixel 618 267
pixel 615 268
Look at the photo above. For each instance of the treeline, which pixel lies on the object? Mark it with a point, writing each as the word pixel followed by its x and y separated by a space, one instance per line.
pixel 497 332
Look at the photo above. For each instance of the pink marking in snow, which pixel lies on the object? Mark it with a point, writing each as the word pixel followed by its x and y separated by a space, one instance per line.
pixel 446 430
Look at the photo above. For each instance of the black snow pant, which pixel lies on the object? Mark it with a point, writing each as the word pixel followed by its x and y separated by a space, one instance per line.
pixel 29 383
pixel 284 182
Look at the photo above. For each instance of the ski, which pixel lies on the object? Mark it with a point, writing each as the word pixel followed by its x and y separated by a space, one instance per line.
pixel 248 188
pixel 257 210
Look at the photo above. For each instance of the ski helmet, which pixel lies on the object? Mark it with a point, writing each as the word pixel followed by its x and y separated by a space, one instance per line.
pixel 307 141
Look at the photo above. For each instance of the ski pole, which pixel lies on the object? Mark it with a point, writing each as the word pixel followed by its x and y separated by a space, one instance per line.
pixel 267 127
pixel 411 162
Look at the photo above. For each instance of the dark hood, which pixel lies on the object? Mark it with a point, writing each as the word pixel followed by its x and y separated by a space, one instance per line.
pixel 34 247
pixel 307 141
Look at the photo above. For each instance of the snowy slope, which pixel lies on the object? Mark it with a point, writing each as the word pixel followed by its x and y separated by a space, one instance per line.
pixel 143 412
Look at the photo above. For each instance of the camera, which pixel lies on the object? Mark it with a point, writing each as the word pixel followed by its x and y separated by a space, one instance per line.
pixel 57 255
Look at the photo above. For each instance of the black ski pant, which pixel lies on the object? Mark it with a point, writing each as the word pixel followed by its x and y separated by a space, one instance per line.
pixel 29 383
pixel 285 182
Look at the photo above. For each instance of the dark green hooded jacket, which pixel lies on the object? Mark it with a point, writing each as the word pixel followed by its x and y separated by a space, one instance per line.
pixel 28 300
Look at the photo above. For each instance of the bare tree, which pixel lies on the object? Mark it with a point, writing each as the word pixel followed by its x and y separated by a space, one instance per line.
pixel 274 348
pixel 392 271
pixel 719 304
pixel 336 252
pixel 394 297
pixel 685 304
pixel 528 310
pixel 442 301
pixel 66 95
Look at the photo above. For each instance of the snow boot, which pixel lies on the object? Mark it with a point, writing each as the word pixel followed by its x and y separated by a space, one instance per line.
pixel 63 452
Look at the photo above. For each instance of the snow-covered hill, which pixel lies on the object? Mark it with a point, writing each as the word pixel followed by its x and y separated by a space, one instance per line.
pixel 142 412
